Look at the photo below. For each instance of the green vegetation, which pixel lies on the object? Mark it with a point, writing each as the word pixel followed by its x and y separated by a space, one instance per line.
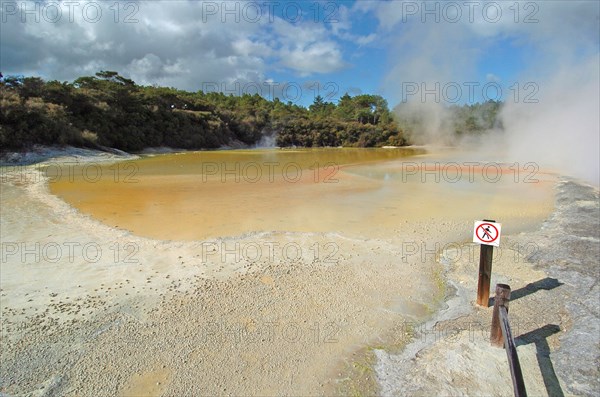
pixel 112 111
pixel 447 125
pixel 472 119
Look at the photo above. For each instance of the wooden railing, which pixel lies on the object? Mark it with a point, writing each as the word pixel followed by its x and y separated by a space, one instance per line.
pixel 501 335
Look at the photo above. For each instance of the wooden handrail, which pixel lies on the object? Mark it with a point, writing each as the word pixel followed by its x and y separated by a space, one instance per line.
pixel 501 335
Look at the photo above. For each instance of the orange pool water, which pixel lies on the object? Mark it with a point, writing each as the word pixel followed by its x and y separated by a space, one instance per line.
pixel 365 192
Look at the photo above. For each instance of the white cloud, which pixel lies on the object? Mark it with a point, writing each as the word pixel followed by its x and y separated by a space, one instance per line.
pixel 319 57
pixel 343 27
pixel 388 13
pixel 364 40
pixel 150 65
pixel 306 48
pixel 492 77
pixel 172 43
pixel 246 47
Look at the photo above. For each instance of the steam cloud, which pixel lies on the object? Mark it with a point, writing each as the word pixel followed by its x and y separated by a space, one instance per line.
pixel 562 131
pixel 559 53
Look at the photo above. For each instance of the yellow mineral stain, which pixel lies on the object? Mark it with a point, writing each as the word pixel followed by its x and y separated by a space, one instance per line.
pixel 147 384
pixel 268 280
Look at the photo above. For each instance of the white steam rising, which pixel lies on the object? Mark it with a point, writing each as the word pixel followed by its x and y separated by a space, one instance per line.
pixel 562 131
pixel 559 53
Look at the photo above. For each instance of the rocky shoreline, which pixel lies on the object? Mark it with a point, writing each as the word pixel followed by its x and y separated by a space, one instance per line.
pixel 555 316
pixel 40 154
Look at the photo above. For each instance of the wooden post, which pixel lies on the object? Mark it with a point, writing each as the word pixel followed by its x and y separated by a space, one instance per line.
pixel 486 254
pixel 502 298
pixel 485 275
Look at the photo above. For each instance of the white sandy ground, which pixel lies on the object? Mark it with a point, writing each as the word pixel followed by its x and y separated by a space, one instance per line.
pixel 172 318
pixel 182 321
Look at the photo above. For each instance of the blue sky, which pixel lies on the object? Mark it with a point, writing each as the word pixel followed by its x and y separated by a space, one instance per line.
pixel 397 49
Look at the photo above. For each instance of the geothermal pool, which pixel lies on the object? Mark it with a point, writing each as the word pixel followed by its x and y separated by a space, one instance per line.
pixel 361 192
pixel 367 225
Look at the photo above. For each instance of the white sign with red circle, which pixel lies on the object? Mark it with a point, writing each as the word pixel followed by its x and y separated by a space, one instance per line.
pixel 487 233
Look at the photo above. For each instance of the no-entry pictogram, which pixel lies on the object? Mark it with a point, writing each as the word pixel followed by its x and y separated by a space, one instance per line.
pixel 487 233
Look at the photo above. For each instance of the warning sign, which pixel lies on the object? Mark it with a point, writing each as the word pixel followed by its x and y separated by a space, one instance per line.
pixel 487 233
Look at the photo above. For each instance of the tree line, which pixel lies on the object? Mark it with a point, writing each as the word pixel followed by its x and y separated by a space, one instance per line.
pixel 109 110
